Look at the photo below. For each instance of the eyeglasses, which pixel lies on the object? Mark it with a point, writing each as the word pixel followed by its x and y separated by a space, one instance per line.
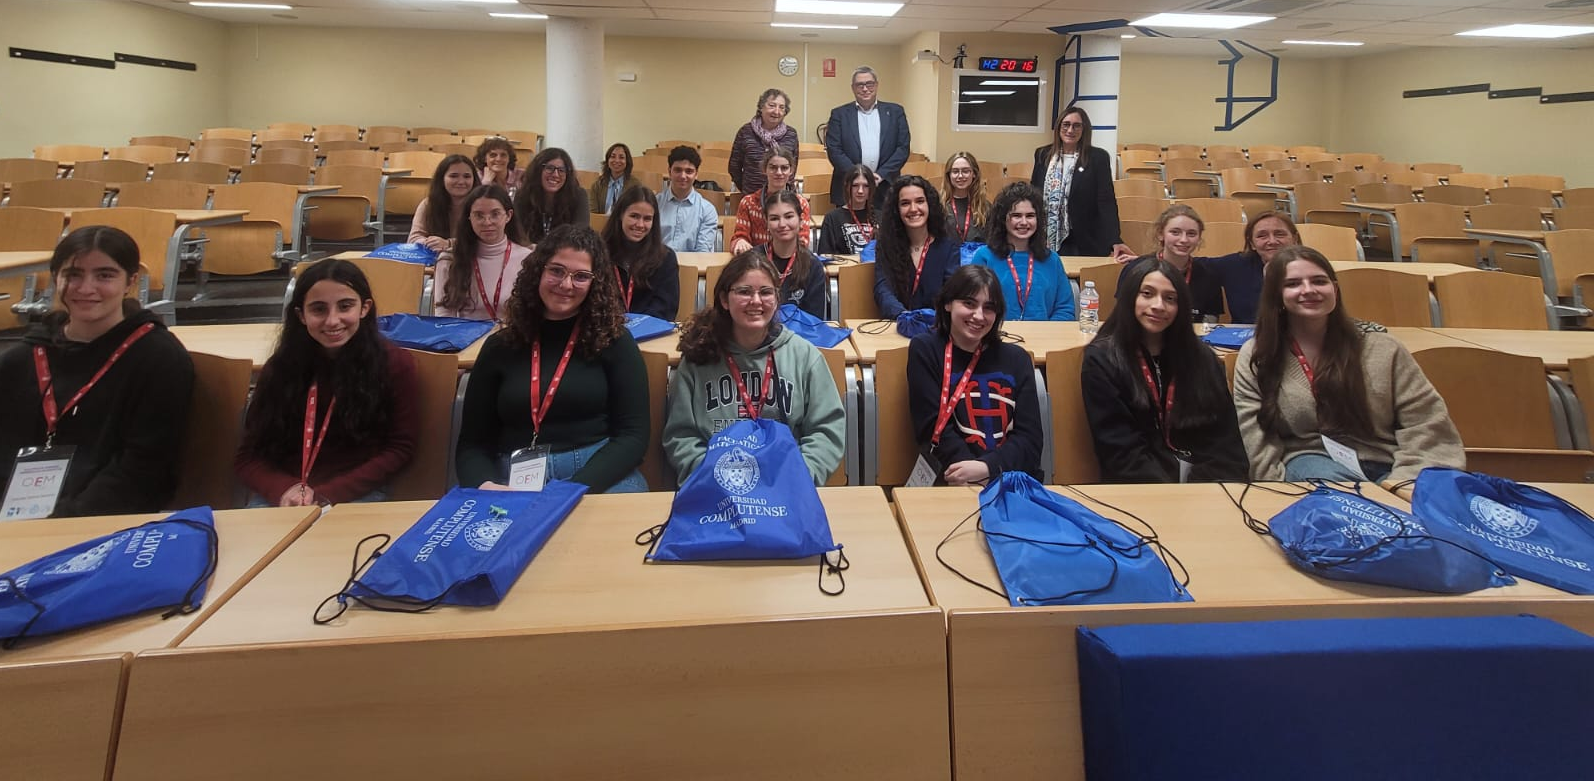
pixel 780 169
pixel 750 292
pixel 554 168
pixel 865 84
pixel 492 216
pixel 557 274
pixel 1073 126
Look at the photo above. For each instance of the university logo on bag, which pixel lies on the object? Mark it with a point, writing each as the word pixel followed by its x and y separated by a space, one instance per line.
pixel 89 560
pixel 736 471
pixel 484 534
pixel 1502 520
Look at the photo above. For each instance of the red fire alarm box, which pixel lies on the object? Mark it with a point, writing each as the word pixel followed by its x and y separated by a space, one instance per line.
pixel 830 67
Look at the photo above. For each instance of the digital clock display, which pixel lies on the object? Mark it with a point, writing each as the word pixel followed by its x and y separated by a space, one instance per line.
pixel 1007 64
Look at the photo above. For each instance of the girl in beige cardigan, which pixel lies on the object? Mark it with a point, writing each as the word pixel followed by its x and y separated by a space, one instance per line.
pixel 1320 397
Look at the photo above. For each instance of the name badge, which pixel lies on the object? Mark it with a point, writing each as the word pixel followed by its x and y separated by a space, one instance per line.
pixel 1344 455
pixel 35 483
pixel 922 475
pixel 528 468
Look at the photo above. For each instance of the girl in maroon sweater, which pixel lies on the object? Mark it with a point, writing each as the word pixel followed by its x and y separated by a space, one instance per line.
pixel 334 414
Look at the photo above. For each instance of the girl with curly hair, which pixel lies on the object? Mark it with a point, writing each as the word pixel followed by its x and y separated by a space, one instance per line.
pixel 914 255
pixel 1034 282
pixel 563 374
pixel 552 197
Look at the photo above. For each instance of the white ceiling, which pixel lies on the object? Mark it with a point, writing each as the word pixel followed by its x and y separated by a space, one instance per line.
pixel 1382 24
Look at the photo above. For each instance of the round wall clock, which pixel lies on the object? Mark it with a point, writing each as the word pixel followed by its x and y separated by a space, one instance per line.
pixel 787 65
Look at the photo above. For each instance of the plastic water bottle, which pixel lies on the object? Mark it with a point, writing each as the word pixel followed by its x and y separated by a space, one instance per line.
pixel 1089 309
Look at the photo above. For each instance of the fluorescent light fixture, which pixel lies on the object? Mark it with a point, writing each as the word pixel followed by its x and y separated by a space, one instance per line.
pixel 836 8
pixel 1127 36
pixel 518 16
pixel 989 92
pixel 496 2
pixel 1010 83
pixel 970 102
pixel 1202 21
pixel 258 6
pixel 1530 31
pixel 1325 43
pixel 815 26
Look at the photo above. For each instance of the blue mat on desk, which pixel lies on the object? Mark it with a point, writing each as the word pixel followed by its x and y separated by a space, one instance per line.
pixel 1505 697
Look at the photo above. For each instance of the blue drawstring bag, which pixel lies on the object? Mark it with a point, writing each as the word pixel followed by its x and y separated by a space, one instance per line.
pixel 645 327
pixel 1344 536
pixel 912 322
pixel 1530 533
pixel 468 549
pixel 751 498
pixel 433 334
pixel 409 252
pixel 1229 337
pixel 1050 550
pixel 866 253
pixel 160 564
pixel 815 331
pixel 967 251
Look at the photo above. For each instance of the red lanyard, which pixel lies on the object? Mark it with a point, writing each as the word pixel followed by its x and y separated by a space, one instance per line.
pixel 950 397
pixel 540 404
pixel 309 454
pixel 748 402
pixel 492 306
pixel 918 268
pixel 627 286
pixel 867 229
pixel 1311 379
pixel 1189 266
pixel 1167 402
pixel 41 364
pixel 1028 286
pixel 789 263
pixel 968 215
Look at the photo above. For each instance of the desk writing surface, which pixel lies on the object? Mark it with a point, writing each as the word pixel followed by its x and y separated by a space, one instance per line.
pixel 1039 337
pixel 1415 338
pixel 1427 270
pixel 20 262
pixel 590 574
pixel 254 342
pixel 245 538
pixel 1075 264
pixel 1502 233
pixel 1555 348
pixel 1199 524
pixel 702 261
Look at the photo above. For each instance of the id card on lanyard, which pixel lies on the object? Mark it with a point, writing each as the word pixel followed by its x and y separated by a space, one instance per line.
pixel 926 469
pixel 40 472
pixel 1163 410
pixel 754 407
pixel 528 466
pixel 1343 454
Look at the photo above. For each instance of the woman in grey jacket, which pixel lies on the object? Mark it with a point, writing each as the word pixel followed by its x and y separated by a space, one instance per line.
pixel 738 363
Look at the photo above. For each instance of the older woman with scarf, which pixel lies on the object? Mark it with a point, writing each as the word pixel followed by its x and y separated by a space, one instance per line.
pixel 766 130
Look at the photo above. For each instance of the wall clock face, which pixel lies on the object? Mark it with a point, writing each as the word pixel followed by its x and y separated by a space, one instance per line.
pixel 787 65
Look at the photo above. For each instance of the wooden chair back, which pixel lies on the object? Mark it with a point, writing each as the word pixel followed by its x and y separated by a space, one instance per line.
pixel 1361 159
pixel 1391 298
pixel 1138 188
pixel 1441 169
pixel 1380 192
pixel 1429 220
pixel 1578 197
pixel 456 148
pixel 417 132
pixel 1485 181
pixel 357 180
pixel 266 202
pixel 1455 195
pixel 230 156
pixel 1215 209
pixel 1334 241
pixel 1490 299
pixel 1073 450
pixel 1573 217
pixel 1243 178
pixel 1254 203
pixel 193 171
pixel 390 147
pixel 1325 197
pixel 362 157
pixel 1182 150
pixel 1413 179
pixel 377 136
pixel 1572 254
pixel 27 169
pixel 419 162
pixel 281 173
pixel 215 430
pixel 59 193
pixel 290 156
pixel 117 171
pixel 1526 196
pixel 655 468
pixel 1106 279
pixel 178 143
pixel 284 131
pixel 148 154
pixel 686 277
pixel 163 194
pixel 1539 181
pixel 856 292
pixel 230 143
pixel 836 361
pixel 898 448
pixel 151 230
pixel 26 228
pixel 334 132
pixel 1222 238
pixel 405 193
pixel 1506 216
pixel 433 139
pixel 426 475
pixel 1511 409
pixel 69 153
pixel 1134 207
pixel 1137 234
pixel 395 285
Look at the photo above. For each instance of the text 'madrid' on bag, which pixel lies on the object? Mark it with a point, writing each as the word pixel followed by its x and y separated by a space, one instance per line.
pixel 468 549
pixel 161 564
pixel 433 334
pixel 1051 550
pixel 1529 532
pixel 644 327
pixel 812 329
pixel 751 498
pixel 1345 536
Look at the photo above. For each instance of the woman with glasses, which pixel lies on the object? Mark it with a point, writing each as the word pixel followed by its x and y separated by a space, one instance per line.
pixel 780 167
pixel 496 160
pixel 800 274
pixel 1075 181
pixel 1034 283
pixel 434 224
pixel 487 256
pixel 614 178
pixel 972 396
pixel 766 130
pixel 914 255
pixel 552 197
pixel 851 225
pixel 561 390
pixel 646 271
pixel 737 362
pixel 963 193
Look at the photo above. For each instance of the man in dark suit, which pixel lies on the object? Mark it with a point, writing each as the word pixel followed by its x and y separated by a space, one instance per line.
pixel 866 131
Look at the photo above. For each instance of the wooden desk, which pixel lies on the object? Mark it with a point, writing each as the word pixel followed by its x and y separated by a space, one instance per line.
pixel 255 341
pixel 1426 270
pixel 1013 671
pixel 1416 339
pixel 63 693
pixel 1075 264
pixel 593 662
pixel 1533 240
pixel 1555 348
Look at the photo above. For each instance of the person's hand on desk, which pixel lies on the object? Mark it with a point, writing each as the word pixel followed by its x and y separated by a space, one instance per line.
pixel 438 244
pixel 965 472
pixel 297 495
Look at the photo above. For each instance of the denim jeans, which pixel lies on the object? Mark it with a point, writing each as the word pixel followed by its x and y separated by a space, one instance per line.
pixel 1318 466
pixel 563 465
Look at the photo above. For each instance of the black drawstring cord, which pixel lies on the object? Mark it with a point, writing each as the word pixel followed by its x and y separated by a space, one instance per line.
pixel 1255 524
pixel 650 537
pixel 38 611
pixel 826 568
pixel 342 596
pixel 874 327
pixel 1153 540
pixel 980 526
pixel 188 605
